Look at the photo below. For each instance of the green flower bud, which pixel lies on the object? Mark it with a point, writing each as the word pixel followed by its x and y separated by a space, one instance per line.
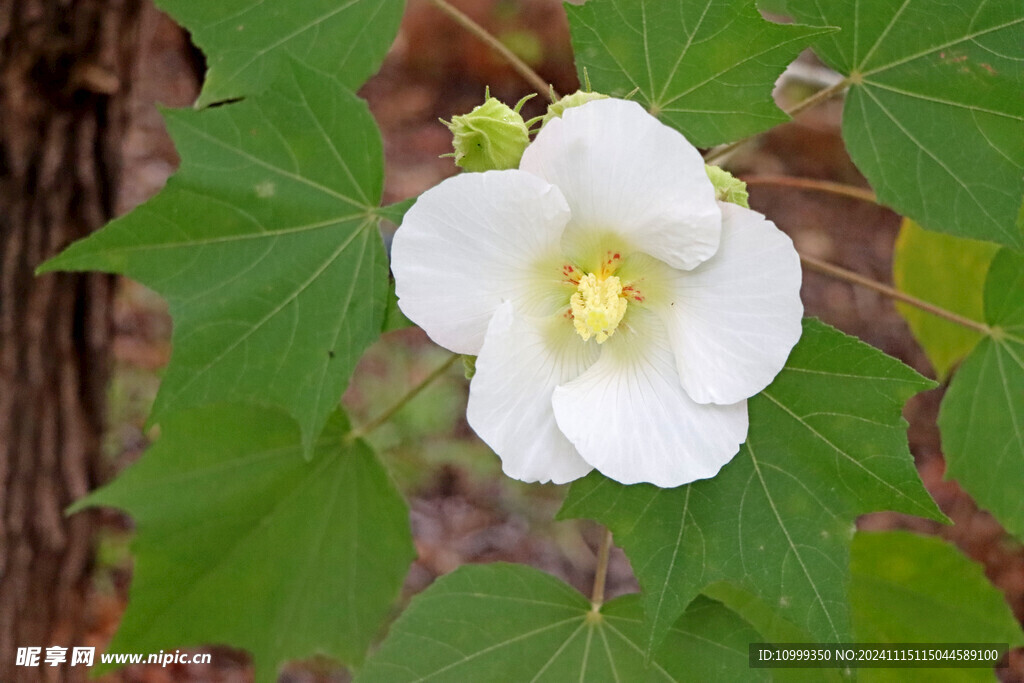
pixel 492 137
pixel 556 109
pixel 728 188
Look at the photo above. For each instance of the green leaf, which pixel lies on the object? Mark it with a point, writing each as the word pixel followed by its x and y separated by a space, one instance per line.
pixel 241 540
pixel 982 415
pixel 708 643
pixel 948 272
pixel 771 627
pixel 706 68
pixel 248 42
pixel 934 116
pixel 907 588
pixel 394 319
pixel 396 212
pixel 265 245
pixel 502 622
pixel 826 444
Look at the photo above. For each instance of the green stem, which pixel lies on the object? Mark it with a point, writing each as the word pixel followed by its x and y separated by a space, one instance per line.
pixel 815 99
pixel 524 69
pixel 891 292
pixel 402 402
pixel 812 184
pixel 601 573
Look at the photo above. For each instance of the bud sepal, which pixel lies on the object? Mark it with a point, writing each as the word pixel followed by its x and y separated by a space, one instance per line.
pixel 491 137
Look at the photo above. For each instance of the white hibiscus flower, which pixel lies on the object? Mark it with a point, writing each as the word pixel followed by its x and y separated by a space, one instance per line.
pixel 620 315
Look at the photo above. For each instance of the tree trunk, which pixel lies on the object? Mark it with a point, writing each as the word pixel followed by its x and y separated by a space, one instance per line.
pixel 64 75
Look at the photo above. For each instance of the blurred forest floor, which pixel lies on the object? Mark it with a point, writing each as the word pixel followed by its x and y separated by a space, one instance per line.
pixel 463 508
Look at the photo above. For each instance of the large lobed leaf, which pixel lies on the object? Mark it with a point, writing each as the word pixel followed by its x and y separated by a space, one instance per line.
pixel 707 68
pixel 904 588
pixel 503 622
pixel 915 589
pixel 982 415
pixel 934 117
pixel 248 42
pixel 949 272
pixel 773 628
pixel 827 443
pixel 241 540
pixel 265 245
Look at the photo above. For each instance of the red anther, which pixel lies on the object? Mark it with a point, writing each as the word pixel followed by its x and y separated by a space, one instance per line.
pixel 631 292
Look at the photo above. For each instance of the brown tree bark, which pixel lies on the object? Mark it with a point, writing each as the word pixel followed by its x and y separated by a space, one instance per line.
pixel 64 75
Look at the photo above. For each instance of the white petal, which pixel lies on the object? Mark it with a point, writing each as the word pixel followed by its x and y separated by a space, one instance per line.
pixel 733 320
pixel 521 363
pixel 472 242
pixel 623 171
pixel 629 417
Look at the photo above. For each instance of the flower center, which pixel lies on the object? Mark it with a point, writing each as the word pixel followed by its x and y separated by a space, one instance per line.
pixel 597 306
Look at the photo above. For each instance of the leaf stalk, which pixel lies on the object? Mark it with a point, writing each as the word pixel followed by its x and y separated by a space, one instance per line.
pixel 835 271
pixel 841 189
pixel 521 67
pixel 403 401
pixel 817 98
pixel 601 573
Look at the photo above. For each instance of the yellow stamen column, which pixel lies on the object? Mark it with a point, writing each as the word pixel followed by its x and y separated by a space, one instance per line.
pixel 598 307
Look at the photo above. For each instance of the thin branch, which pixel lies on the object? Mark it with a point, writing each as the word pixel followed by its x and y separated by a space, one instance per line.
pixel 601 573
pixel 402 402
pixel 891 292
pixel 815 99
pixel 524 69
pixel 717 153
pixel 812 184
